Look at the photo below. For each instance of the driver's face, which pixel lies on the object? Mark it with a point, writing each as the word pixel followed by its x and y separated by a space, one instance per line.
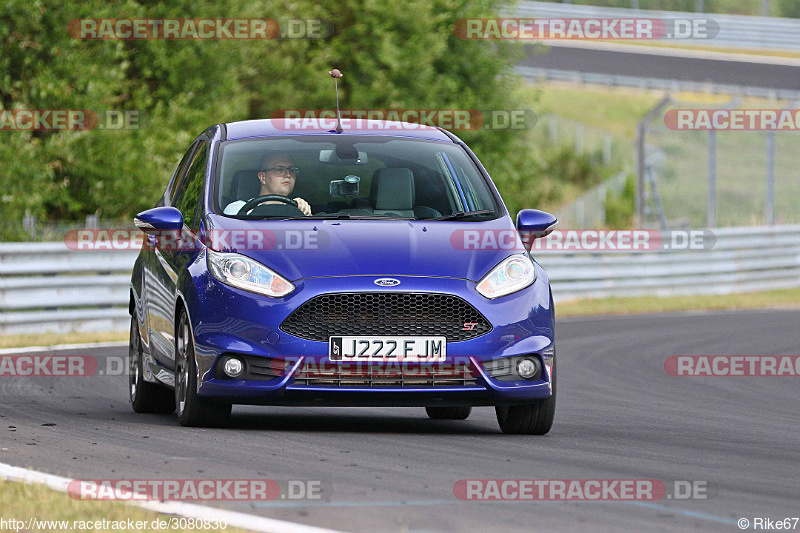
pixel 278 181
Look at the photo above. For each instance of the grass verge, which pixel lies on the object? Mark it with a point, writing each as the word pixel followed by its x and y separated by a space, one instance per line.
pixel 618 110
pixel 615 110
pixel 776 299
pixel 22 502
pixel 50 339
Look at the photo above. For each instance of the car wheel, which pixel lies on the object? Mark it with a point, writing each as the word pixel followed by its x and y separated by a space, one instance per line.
pixel 532 418
pixel 145 397
pixel 448 413
pixel 193 410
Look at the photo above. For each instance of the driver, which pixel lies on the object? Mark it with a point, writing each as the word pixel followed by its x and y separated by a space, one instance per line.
pixel 277 176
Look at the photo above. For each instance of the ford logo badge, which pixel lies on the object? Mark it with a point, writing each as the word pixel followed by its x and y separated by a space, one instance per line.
pixel 387 282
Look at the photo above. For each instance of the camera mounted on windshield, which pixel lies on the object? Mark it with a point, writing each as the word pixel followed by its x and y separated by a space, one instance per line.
pixel 347 187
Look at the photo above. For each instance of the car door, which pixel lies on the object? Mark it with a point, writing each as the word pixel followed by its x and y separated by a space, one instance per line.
pixel 167 260
pixel 151 289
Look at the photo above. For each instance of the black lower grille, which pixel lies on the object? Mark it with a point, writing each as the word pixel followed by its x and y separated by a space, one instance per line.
pixel 389 313
pixel 375 376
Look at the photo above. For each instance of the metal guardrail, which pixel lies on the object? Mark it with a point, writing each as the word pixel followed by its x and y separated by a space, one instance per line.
pixel 741 260
pixel 47 287
pixel 735 31
pixel 612 80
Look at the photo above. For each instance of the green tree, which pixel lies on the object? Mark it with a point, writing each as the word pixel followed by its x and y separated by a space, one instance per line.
pixel 393 55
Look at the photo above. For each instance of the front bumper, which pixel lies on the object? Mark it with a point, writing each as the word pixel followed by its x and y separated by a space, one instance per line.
pixel 285 391
pixel 229 321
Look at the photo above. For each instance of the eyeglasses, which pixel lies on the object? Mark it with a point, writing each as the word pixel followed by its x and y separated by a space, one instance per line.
pixel 283 170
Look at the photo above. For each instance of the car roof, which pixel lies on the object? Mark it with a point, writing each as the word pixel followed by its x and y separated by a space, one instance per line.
pixel 283 127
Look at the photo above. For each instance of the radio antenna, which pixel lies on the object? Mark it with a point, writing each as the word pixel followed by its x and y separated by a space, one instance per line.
pixel 335 74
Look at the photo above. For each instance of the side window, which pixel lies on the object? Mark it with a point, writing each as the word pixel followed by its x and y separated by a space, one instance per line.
pixel 172 188
pixel 188 194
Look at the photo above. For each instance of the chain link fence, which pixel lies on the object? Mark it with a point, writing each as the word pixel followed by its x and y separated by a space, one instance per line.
pixel 590 209
pixel 32 229
pixel 559 131
pixel 718 177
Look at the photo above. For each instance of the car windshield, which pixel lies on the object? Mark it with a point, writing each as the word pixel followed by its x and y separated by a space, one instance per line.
pixel 336 176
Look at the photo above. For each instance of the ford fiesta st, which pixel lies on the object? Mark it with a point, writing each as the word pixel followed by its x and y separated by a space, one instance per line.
pixel 372 266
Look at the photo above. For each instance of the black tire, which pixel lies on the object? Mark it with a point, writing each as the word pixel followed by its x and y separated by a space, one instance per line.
pixel 533 418
pixel 448 413
pixel 193 410
pixel 145 397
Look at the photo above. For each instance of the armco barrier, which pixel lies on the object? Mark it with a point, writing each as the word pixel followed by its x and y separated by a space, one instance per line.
pixel 47 287
pixel 735 31
pixel 741 260
pixel 658 84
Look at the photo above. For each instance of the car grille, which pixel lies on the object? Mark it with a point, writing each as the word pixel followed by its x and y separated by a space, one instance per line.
pixel 386 313
pixel 375 376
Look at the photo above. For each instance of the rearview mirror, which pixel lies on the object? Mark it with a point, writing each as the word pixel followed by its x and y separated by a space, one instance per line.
pixel 339 157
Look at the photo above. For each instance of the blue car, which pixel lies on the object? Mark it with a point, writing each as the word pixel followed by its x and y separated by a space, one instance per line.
pixel 373 266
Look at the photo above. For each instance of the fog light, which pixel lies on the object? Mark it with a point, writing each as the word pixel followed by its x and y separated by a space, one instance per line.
pixel 527 368
pixel 233 367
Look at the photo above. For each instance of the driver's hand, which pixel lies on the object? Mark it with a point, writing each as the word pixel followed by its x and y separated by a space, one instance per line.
pixel 303 206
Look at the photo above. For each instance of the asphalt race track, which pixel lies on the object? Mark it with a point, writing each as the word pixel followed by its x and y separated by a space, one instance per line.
pixel 601 61
pixel 619 416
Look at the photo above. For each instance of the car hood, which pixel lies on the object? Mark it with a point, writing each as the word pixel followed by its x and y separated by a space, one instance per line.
pixel 299 249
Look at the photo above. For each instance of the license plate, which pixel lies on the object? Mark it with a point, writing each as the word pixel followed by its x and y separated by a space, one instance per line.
pixel 414 349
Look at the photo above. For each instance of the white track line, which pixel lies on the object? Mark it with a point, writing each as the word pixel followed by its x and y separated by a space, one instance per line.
pixel 676 52
pixel 62 347
pixel 188 510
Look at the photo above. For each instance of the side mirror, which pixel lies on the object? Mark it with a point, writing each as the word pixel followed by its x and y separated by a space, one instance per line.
pixel 159 219
pixel 533 224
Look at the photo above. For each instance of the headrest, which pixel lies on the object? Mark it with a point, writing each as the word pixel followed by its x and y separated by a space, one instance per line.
pixel 246 184
pixel 392 189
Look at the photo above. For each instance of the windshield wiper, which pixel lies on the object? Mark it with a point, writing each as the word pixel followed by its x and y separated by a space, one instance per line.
pixel 462 214
pixel 330 215
pixel 334 216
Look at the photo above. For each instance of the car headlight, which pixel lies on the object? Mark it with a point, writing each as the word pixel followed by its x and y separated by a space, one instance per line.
pixel 510 275
pixel 244 273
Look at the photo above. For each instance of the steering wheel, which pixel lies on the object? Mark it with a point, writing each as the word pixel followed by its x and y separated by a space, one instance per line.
pixel 250 204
